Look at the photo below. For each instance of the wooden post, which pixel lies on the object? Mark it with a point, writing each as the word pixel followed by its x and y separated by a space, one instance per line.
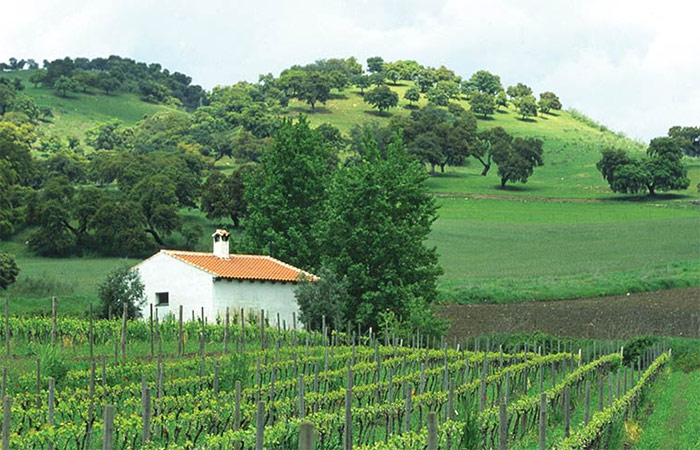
pixel 600 392
pixel 7 327
pixel 432 431
pixel 150 323
pixel 216 379
pixel 52 396
pixel 502 425
pixel 482 387
pixel 3 390
pixel 587 411
pixel 226 325
pixel 108 428
pixel 302 407
pixel 91 335
pixel 180 341
pixel 543 421
pixel 306 436
pixel 237 412
pixel 91 405
pixel 38 383
pixel 6 408
pixel 259 426
pixel 262 329
pixel 610 390
pixel 348 418
pixel 567 412
pixel 123 338
pixel 146 415
pixel 53 320
pixel 408 408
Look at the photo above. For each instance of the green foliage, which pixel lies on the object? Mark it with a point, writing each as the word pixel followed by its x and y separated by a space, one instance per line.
pixel 482 103
pixel 687 138
pixel 286 195
pixel 412 94
pixel 64 85
pixel 54 364
pixel 519 90
pixel 526 105
pixel 375 64
pixel 8 270
pixel 382 98
pixel 377 216
pixel 635 348
pixel 108 135
pixel 224 196
pixel 484 82
pixel 549 101
pixel 122 286
pixel 327 296
pixel 517 161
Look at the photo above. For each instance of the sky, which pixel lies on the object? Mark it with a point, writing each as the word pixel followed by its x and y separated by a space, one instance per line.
pixel 632 65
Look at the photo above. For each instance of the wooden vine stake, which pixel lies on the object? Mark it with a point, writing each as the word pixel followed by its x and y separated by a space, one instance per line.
pixel 567 412
pixel 237 412
pixel 123 337
pixel 53 320
pixel 543 421
pixel 180 341
pixel 587 411
pixel 108 428
pixel 52 397
pixel 502 425
pixel 432 431
pixel 307 436
pixel 6 408
pixel 7 327
pixel 259 426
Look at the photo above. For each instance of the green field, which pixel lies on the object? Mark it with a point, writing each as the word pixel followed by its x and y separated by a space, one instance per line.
pixel 563 234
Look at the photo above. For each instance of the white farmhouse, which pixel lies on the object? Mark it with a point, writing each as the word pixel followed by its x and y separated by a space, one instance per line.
pixel 215 281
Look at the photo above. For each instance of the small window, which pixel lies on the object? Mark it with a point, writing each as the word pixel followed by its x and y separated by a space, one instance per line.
pixel 162 299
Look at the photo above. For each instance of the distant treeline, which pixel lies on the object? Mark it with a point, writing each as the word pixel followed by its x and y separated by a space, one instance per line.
pixel 114 73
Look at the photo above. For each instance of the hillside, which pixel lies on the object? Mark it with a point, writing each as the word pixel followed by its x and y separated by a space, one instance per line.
pixel 80 111
pixel 563 234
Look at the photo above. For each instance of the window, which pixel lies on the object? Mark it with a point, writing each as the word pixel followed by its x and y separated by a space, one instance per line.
pixel 162 299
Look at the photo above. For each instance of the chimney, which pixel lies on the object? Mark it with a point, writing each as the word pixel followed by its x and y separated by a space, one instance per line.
pixel 221 243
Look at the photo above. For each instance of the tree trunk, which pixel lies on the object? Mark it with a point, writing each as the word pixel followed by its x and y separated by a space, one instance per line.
pixel 155 235
pixel 432 169
pixel 651 190
pixel 442 168
pixel 487 167
pixel 503 183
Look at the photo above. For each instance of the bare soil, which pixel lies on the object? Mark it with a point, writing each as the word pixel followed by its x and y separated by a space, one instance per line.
pixel 673 312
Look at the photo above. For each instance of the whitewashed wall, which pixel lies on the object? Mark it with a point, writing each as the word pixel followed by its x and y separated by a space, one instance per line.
pixel 187 286
pixel 255 295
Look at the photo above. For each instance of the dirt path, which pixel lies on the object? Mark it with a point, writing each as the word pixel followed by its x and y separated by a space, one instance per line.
pixel 673 312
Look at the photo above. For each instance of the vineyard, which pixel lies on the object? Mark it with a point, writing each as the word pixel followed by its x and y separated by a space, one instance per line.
pixel 243 384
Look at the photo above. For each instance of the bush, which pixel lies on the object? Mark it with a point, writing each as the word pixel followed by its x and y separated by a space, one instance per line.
pixel 53 363
pixel 121 287
pixel 636 347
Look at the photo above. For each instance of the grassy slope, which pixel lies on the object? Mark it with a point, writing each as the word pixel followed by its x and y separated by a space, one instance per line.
pixel 80 112
pixel 674 422
pixel 501 250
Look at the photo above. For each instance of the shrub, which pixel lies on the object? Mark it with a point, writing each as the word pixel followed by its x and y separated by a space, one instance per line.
pixel 121 287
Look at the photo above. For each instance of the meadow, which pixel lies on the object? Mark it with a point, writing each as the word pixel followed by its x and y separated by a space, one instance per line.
pixel 561 235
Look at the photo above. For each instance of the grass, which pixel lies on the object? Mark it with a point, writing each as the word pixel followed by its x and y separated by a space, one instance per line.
pixel 671 413
pixel 561 235
pixel 75 114
pixel 495 250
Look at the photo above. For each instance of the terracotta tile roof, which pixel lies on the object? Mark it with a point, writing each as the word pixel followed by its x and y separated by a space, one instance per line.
pixel 241 267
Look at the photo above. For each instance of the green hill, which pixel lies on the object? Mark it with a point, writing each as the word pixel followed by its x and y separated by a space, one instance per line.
pixel 78 112
pixel 561 235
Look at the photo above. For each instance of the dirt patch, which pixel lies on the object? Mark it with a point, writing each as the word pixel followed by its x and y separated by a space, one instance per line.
pixel 673 312
pixel 521 198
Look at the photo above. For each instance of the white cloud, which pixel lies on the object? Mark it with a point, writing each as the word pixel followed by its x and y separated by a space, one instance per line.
pixel 629 64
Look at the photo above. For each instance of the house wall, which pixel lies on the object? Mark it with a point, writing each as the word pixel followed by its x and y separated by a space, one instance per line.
pixel 187 286
pixel 253 296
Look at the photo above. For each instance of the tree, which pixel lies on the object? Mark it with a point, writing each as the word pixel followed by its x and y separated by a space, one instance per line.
pixel 483 81
pixel 393 72
pixel 662 169
pixel 286 194
pixel 107 82
pixel 517 161
pixel 315 88
pixel 501 100
pixel 326 296
pixel 122 286
pixel 412 94
pixel 687 138
pixel 519 90
pixel 550 101
pixel 37 78
pixel 666 169
pixel 488 142
pixel 224 196
pixel 8 270
pixel 527 106
pixel 426 78
pixel 7 96
pixel 108 135
pixel 382 98
pixel 362 81
pixel 375 64
pixel 65 84
pixel 482 103
pixel 156 194
pixel 378 216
